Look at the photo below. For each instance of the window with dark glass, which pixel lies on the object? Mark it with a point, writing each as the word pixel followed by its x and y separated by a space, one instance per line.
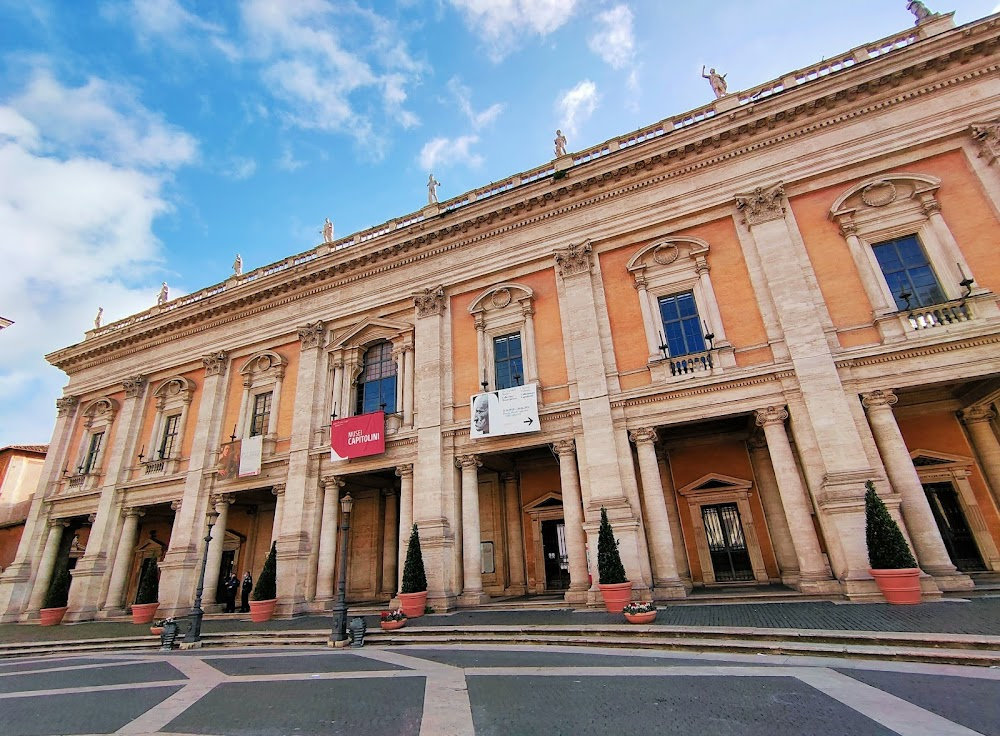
pixel 90 464
pixel 908 273
pixel 169 435
pixel 508 361
pixel 377 383
pixel 261 414
pixel 681 324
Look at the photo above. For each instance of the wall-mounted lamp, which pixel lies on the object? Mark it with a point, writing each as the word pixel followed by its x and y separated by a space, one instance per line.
pixel 663 345
pixel 905 296
pixel 966 282
pixel 709 336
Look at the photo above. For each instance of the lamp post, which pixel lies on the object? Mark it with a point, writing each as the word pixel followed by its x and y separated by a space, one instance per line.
pixel 339 631
pixel 194 634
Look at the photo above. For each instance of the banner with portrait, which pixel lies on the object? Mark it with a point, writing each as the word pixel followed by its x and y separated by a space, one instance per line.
pixel 507 411
pixel 229 461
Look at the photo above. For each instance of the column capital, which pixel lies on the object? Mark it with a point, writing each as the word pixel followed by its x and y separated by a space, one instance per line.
pixel 134 386
pixel 278 489
pixel 847 225
pixel 388 492
pixel 987 136
pixel 879 399
pixel 175 506
pixel 333 483
pixel 215 364
pixel 468 461
pixel 762 205
pixel 977 414
pixel 508 476
pixel 133 512
pixel 429 302
pixel 564 447
pixel 643 435
pixel 404 471
pixel 930 205
pixel 220 499
pixel 573 260
pixel 66 405
pixel 56 522
pixel 311 335
pixel 770 415
pixel 641 283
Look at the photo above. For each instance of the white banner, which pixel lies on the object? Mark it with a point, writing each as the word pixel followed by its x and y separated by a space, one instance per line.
pixel 250 455
pixel 507 411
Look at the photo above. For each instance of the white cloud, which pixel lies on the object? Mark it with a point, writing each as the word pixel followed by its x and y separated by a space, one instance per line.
pixel 239 168
pixel 288 162
pixel 502 23
pixel 577 105
pixel 169 21
pixel 84 172
pixel 440 153
pixel 463 96
pixel 614 41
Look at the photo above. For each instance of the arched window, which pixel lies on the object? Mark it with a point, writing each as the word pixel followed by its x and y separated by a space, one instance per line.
pixel 377 381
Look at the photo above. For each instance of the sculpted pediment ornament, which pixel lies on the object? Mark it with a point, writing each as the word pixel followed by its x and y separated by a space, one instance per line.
pixel 762 205
pixel 263 362
pixel 500 297
pixel 574 260
pixel 881 191
pixel 667 252
pixel 429 302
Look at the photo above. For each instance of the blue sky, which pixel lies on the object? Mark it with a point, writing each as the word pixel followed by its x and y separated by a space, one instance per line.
pixel 151 140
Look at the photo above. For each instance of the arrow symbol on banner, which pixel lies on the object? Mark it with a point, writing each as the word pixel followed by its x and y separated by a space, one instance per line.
pixel 529 421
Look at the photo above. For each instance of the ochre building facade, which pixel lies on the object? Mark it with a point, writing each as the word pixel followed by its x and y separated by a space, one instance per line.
pixel 734 318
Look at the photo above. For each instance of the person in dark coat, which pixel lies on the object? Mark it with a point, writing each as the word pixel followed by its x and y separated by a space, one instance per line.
pixel 247 587
pixel 232 585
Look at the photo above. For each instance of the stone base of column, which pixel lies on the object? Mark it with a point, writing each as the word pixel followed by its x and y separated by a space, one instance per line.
pixel 290 609
pixel 473 598
pixel 14 591
pixel 665 590
pixel 819 587
pixel 578 597
pixel 441 602
pixel 952 581
pixel 861 591
pixel 516 591
pixel 116 612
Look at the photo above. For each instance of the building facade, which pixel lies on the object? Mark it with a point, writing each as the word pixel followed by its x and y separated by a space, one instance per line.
pixel 20 471
pixel 732 319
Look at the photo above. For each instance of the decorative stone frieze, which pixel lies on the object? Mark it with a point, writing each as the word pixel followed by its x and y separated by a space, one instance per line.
pixel 429 302
pixel 215 364
pixel 312 334
pixel 763 205
pixel 134 386
pixel 976 414
pixel 879 398
pixel 574 260
pixel 770 415
pixel 987 136
pixel 66 405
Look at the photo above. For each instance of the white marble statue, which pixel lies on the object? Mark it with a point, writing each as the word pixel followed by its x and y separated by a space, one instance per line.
pixel 99 318
pixel 327 231
pixel 238 265
pixel 560 144
pixel 432 185
pixel 919 10
pixel 164 294
pixel 718 81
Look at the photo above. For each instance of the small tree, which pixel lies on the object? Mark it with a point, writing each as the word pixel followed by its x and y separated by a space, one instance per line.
pixel 149 586
pixel 887 548
pixel 57 596
pixel 414 578
pixel 609 563
pixel 266 589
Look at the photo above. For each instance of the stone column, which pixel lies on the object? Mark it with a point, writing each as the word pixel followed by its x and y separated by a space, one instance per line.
pixel 221 504
pixel 328 539
pixel 814 575
pixel 123 560
pixel 278 491
pixel 530 354
pixel 517 585
pixel 408 386
pixel 770 498
pixel 711 303
pixel 648 320
pixel 405 473
pixel 46 566
pixel 337 406
pixel 390 542
pixel 667 582
pixel 977 420
pixel 932 555
pixel 472 556
pixel 272 418
pixel 576 546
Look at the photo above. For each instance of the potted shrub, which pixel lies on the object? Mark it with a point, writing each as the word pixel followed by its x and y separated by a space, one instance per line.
pixel 147 597
pixel 413 592
pixel 265 596
pixel 615 586
pixel 56 597
pixel 392 620
pixel 640 612
pixel 893 566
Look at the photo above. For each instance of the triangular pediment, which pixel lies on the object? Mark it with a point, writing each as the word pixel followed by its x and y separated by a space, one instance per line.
pixel 930 458
pixel 551 500
pixel 369 330
pixel 715 482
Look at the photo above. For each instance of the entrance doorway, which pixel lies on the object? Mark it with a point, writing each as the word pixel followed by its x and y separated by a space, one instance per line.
pixel 226 567
pixel 726 543
pixel 954 528
pixel 556 555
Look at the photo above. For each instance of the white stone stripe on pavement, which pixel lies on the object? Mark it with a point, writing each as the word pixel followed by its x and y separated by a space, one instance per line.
pixel 202 678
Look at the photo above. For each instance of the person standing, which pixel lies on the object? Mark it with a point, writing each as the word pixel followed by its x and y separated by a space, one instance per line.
pixel 232 585
pixel 245 593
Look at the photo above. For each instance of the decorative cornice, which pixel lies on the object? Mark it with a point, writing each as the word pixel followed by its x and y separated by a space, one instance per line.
pixel 215 364
pixel 879 399
pixel 134 386
pixel 770 415
pixel 762 205
pixel 574 260
pixel 429 302
pixel 312 334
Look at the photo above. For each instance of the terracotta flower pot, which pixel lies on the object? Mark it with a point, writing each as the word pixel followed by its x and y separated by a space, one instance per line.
pixel 900 587
pixel 641 618
pixel 144 613
pixel 51 616
pixel 261 611
pixel 155 630
pixel 392 625
pixel 615 595
pixel 413 604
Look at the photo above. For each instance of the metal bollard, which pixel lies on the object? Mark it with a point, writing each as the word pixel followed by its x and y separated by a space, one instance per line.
pixel 168 639
pixel 356 632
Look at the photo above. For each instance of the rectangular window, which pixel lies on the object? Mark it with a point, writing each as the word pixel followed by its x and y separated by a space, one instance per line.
pixel 90 464
pixel 681 324
pixel 908 273
pixel 261 414
pixel 169 435
pixel 508 361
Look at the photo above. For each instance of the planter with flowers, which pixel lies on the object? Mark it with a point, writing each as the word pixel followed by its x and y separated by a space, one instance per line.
pixel 392 620
pixel 615 586
pixel 640 612
pixel 156 628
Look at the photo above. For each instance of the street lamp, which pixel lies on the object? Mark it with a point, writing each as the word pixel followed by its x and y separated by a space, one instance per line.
pixel 194 634
pixel 339 631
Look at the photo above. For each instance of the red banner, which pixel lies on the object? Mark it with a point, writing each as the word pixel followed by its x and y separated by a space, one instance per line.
pixel 357 436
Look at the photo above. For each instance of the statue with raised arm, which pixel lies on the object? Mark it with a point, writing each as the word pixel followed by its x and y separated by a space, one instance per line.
pixel 238 265
pixel 718 81
pixel 327 231
pixel 919 10
pixel 99 318
pixel 164 294
pixel 432 185
pixel 560 142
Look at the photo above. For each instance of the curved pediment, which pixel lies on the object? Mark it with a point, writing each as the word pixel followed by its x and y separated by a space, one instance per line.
pixel 104 406
pixel 262 362
pixel 500 296
pixel 667 251
pixel 370 330
pixel 883 190
pixel 174 387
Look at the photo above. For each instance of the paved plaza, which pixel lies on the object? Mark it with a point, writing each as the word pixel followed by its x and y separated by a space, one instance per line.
pixel 487 691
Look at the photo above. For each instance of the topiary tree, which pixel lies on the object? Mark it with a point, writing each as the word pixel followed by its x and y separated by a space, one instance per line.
pixel 414 578
pixel 149 586
pixel 609 563
pixel 266 588
pixel 57 596
pixel 887 548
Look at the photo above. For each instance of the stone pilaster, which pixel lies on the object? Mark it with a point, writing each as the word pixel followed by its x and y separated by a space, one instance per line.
pixel 472 589
pixel 46 566
pixel 390 542
pixel 328 539
pixel 576 546
pixel 115 603
pixel 212 568
pixel 405 473
pixel 517 582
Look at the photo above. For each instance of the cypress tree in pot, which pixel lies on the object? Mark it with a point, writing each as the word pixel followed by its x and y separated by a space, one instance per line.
pixel 265 596
pixel 893 566
pixel 612 580
pixel 146 599
pixel 413 591
pixel 56 597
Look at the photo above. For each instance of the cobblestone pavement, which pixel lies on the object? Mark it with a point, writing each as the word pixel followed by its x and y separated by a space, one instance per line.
pixel 950 616
pixel 489 691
